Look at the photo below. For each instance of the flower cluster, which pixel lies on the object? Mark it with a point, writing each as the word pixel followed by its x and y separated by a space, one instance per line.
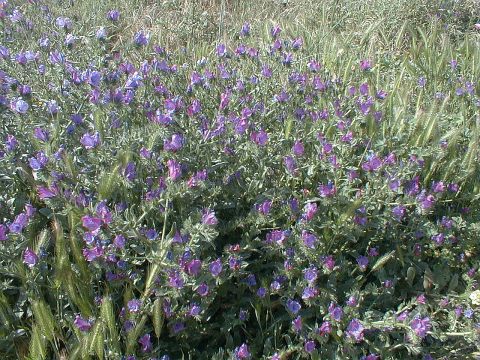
pixel 262 202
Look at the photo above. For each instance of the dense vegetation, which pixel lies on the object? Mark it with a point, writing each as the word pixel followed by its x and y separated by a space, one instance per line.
pixel 235 180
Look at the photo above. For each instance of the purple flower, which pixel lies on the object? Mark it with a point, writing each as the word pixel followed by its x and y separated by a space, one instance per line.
pixel 381 94
pixel 329 262
pixel 101 33
pixel 91 223
pixel 46 193
pixel 310 210
pixel 309 293
pixel 399 212
pixel 311 274
pixel 30 258
pixel 174 169
pixel 314 66
pixel 327 190
pixel 245 30
pixel 113 15
pixel 297 324
pixel 81 323
pixel 426 201
pixel 21 220
pixel 175 280
pixel 422 81
pixel 141 38
pixel 309 239
pixel 20 106
pixel 38 162
pixel 264 208
pixel 259 138
pixel 193 267
pixel 146 343
pixel 438 187
pixel 202 290
pixel 3 232
pixel 130 172
pixel 195 310
pixel 283 97
pixel 355 330
pixel 290 164
pixel 234 263
pixel 90 141
pixel 297 43
pixel 335 311
pixel 298 148
pixel 402 316
pixel 41 134
pixel 221 50
pixel 93 253
pixel 309 346
pixel 362 262
pixel 261 292
pixel 134 305
pixel 11 143
pixel 119 241
pixel 275 31
pixel 215 267
pixel 420 326
pixel 63 22
pixel 293 306
pixel 373 252
pixel 439 238
pixel 373 164
pixel 365 64
pixel 151 234
pixel 208 217
pixel 69 40
pixel 242 352
pixel 266 71
pixel 421 299
pixel 174 144
pixel 177 327
pixel 325 328
pixel 277 236
pixel 352 301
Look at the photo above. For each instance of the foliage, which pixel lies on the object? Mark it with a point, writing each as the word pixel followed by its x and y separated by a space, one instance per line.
pixel 289 191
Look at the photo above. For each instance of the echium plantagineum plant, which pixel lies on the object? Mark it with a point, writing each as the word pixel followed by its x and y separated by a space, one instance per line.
pixel 249 205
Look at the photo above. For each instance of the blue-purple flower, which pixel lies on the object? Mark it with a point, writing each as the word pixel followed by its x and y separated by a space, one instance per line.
pixel 146 343
pixel 113 15
pixel 141 38
pixel 3 232
pixel 335 311
pixel 242 352
pixel 41 134
pixel 421 326
pixel 355 330
pixel 82 324
pixel 91 223
pixel 215 267
pixel 293 306
pixel 20 106
pixel 362 262
pixel 90 141
pixel 21 220
pixel 174 169
pixel 30 258
pixel 309 346
pixel 208 217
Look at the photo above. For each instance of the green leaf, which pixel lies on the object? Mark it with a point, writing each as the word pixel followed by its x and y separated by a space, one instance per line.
pixel 380 263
